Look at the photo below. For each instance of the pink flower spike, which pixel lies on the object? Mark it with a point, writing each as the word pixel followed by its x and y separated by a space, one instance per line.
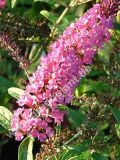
pixel 3 4
pixel 56 78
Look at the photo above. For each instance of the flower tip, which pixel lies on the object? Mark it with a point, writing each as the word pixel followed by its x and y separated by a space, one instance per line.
pixel 110 7
pixel 3 4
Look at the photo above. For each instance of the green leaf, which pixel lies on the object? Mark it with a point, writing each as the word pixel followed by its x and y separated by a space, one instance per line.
pixel 85 156
pixel 5 117
pixel 103 126
pixel 15 92
pixel 91 86
pixel 41 0
pixel 52 2
pixel 76 117
pixel 98 156
pixel 117 127
pixel 117 26
pixel 88 85
pixel 23 2
pixel 63 107
pixel 116 113
pixel 36 48
pixel 25 149
pixel 2 129
pixel 79 148
pixel 75 152
pixel 13 3
pixel 104 54
pixel 52 18
pixel 5 84
pixel 97 73
pixel 114 92
pixel 65 155
pixel 118 17
pixel 92 125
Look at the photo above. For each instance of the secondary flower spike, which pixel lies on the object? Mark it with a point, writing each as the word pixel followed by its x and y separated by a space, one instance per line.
pixel 48 86
pixel 3 4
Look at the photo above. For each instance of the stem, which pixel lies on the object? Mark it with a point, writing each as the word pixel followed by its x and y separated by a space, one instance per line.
pixel 73 3
pixel 26 72
pixel 73 138
pixel 61 16
pixel 58 21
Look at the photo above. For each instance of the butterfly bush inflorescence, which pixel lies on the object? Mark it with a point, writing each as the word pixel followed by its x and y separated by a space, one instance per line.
pixel 48 86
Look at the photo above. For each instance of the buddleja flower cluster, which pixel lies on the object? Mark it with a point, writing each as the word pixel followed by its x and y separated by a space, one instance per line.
pixel 48 86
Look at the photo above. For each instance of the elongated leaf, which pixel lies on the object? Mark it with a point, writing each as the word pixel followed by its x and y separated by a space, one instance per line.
pixel 5 84
pixel 117 127
pixel 75 152
pixel 98 156
pixel 97 73
pixel 85 156
pixel 25 149
pixel 79 148
pixel 2 129
pixel 52 18
pixel 118 17
pixel 91 86
pixel 13 3
pixel 15 92
pixel 53 1
pixel 116 113
pixel 104 54
pixel 5 117
pixel 76 117
pixel 96 86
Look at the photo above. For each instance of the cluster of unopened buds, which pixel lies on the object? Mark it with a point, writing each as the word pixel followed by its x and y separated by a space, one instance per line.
pixel 48 86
